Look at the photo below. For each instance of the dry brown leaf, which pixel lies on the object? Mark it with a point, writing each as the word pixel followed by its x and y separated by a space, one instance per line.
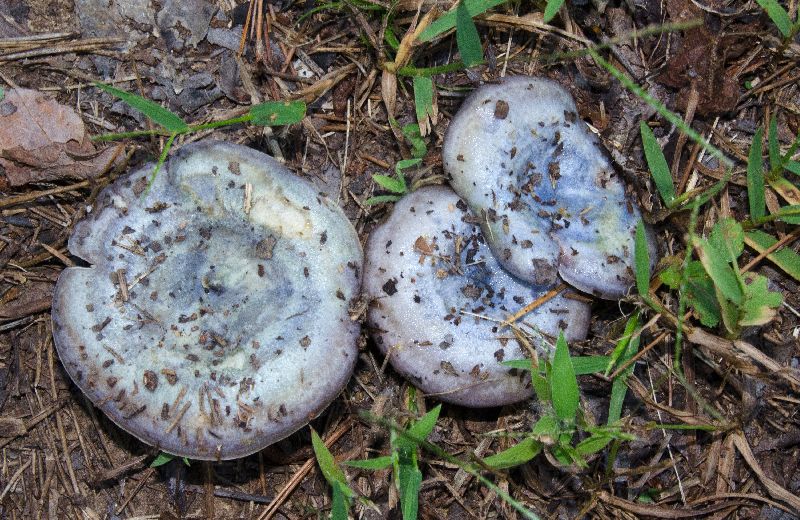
pixel 41 139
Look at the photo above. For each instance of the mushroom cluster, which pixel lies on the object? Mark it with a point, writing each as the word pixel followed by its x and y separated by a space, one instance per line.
pixel 537 191
pixel 213 319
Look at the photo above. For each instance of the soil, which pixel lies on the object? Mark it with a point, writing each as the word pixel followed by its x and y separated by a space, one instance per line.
pixel 734 451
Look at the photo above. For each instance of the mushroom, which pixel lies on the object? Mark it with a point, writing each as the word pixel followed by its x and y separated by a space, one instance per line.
pixel 440 297
pixel 213 320
pixel 549 201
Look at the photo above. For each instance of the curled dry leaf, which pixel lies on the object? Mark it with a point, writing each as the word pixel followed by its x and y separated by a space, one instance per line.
pixel 42 140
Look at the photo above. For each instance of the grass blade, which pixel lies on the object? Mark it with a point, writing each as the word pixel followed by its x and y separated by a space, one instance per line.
pixel 339 506
pixel 277 113
pixel 657 164
pixel 410 480
pixel 583 365
pixel 448 20
pixel 378 199
pixel 641 261
pixel 467 39
pixel 551 9
pixel 374 464
pixel 332 473
pixel 785 258
pixel 755 178
pixel 522 452
pixel 424 426
pixel 390 183
pixel 150 109
pixel 619 387
pixel 564 385
pixel 775 159
pixel 778 15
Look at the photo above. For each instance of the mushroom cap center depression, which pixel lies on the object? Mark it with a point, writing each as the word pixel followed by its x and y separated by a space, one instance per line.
pixel 214 318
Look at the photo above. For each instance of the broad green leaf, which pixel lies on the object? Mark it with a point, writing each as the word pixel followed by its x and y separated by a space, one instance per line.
pixel 730 313
pixel 278 113
pixel 792 166
pixel 699 290
pixel 773 146
pixel 592 445
pixel 671 276
pixel 563 384
pixel 374 464
pixel 467 39
pixel 784 258
pixel 701 294
pixel 332 473
pixel 409 482
pixel 657 163
pixel 755 178
pixel 390 183
pixel 381 198
pixel 642 261
pixel 161 459
pixel 340 502
pixel 719 269
pixel 759 302
pixel 727 235
pixel 448 20
pixel 522 452
pixel 155 112
pixel 778 15
pixel 423 100
pixel 2 93
pixel 551 9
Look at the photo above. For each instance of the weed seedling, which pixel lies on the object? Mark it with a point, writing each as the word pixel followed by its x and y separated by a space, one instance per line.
pixel 271 113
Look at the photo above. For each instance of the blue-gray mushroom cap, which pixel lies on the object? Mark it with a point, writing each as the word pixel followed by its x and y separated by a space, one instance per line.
pixel 213 320
pixel 439 297
pixel 549 201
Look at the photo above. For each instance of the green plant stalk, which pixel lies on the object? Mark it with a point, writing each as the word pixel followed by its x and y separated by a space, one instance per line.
pixel 625 38
pixel 161 131
pixel 776 170
pixel 682 298
pixel 472 469
pixel 666 113
pixel 690 427
pixel 411 71
pixel 161 159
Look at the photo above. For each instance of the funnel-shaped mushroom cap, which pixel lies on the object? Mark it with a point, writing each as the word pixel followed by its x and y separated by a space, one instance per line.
pixel 213 320
pixel 439 297
pixel 548 198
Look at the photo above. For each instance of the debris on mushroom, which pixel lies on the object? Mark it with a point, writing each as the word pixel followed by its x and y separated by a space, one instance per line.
pixel 549 201
pixel 440 299
pixel 213 320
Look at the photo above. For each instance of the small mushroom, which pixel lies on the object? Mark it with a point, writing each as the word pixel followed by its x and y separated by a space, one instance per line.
pixel 439 298
pixel 213 320
pixel 549 201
